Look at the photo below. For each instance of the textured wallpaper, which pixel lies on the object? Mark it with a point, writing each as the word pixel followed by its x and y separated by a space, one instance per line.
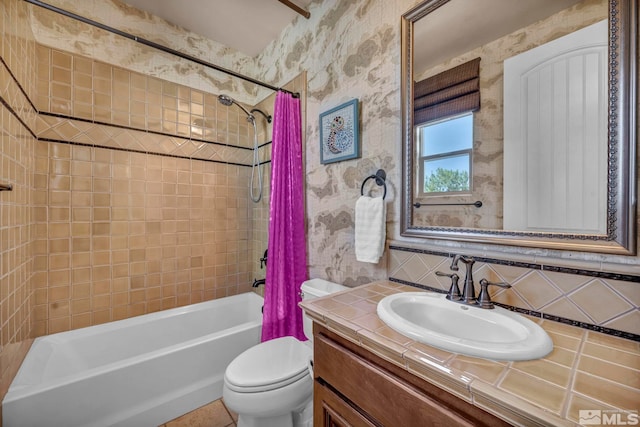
pixel 349 49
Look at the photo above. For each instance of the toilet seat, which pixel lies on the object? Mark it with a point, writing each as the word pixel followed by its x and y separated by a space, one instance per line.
pixel 268 366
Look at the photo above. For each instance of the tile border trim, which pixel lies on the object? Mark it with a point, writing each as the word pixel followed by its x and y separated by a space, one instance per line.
pixel 113 125
pixel 533 313
pixel 131 150
pixel 532 266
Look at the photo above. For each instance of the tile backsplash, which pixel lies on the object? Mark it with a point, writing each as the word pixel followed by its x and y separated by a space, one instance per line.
pixel 592 298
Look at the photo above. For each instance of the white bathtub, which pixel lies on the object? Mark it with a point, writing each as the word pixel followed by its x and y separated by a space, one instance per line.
pixel 141 371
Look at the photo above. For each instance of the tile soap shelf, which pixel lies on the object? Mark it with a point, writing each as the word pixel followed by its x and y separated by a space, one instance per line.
pixel 6 187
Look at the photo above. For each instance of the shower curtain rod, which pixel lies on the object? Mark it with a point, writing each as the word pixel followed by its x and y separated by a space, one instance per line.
pixel 157 46
pixel 296 8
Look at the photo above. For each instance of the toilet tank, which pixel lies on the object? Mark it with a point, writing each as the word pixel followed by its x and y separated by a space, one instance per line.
pixel 316 288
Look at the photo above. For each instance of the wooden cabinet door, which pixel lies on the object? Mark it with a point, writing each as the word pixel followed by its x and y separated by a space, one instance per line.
pixel 330 410
pixel 353 387
pixel 385 398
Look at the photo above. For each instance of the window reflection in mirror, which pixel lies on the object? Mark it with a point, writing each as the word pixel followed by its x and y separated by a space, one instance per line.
pixel 446 148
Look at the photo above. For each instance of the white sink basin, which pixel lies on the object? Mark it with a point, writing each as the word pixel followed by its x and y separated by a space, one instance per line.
pixel 497 334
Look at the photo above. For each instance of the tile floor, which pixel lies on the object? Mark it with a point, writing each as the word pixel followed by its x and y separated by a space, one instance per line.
pixel 215 414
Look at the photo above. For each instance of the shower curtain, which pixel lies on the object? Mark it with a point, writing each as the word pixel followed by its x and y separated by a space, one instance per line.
pixel 287 261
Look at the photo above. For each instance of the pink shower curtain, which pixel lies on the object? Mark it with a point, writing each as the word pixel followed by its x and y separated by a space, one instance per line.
pixel 287 261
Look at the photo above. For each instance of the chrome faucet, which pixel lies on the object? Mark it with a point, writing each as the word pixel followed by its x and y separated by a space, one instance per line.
pixel 468 291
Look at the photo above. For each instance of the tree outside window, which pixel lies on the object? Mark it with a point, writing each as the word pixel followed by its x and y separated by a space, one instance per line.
pixel 446 148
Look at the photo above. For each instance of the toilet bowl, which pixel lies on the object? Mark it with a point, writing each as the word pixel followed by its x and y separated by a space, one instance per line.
pixel 269 385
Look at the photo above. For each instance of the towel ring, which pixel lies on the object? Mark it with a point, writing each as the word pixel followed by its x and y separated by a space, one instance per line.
pixel 380 178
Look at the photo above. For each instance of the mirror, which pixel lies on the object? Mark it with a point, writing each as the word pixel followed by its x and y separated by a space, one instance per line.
pixel 429 48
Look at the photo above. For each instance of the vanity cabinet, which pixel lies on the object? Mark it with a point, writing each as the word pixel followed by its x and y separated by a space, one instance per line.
pixel 354 387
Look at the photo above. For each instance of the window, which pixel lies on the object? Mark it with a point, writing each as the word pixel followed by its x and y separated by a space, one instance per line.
pixel 445 155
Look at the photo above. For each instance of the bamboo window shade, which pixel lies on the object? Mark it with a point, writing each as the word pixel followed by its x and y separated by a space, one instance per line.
pixel 451 92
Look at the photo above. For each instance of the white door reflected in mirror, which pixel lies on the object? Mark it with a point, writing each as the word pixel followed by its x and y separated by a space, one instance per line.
pixel 555 135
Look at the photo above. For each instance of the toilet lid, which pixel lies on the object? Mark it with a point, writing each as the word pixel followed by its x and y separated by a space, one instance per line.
pixel 269 365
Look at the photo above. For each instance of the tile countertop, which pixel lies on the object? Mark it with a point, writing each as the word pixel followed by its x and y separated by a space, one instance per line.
pixel 585 371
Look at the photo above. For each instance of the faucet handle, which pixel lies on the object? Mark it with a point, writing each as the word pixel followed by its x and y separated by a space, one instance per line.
pixel 484 299
pixel 263 260
pixel 454 291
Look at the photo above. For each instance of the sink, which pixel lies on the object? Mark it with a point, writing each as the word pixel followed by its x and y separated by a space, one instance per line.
pixel 497 334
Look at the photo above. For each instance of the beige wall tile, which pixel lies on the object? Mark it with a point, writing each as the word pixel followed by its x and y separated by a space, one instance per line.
pixel 113 228
pixel 599 301
pixel 629 321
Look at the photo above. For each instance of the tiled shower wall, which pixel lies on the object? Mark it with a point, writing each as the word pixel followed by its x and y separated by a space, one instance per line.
pixel 74 86
pixel 17 156
pixel 147 209
pixel 124 234
pixel 130 192
pixel 77 94
pixel 139 198
pixel 16 227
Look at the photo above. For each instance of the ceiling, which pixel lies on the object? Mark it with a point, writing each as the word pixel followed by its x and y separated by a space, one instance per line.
pixel 250 25
pixel 245 25
pixel 473 26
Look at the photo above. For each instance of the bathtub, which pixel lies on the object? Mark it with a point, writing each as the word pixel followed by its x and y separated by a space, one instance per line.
pixel 142 371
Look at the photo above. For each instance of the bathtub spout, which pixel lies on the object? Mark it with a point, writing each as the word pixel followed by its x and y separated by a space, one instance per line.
pixel 257 282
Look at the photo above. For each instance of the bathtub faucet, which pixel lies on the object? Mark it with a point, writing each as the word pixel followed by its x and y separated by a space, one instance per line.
pixel 258 282
pixel 263 260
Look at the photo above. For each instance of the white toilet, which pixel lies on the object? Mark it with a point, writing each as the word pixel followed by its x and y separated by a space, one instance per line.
pixel 269 385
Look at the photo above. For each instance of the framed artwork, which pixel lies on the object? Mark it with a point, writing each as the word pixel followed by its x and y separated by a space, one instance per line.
pixel 339 136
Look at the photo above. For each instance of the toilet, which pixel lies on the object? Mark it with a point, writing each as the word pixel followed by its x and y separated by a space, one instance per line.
pixel 270 384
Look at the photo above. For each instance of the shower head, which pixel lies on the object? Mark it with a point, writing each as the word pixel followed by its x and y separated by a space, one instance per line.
pixel 226 100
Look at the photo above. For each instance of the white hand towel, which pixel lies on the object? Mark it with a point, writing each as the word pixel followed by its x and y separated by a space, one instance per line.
pixel 371 217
